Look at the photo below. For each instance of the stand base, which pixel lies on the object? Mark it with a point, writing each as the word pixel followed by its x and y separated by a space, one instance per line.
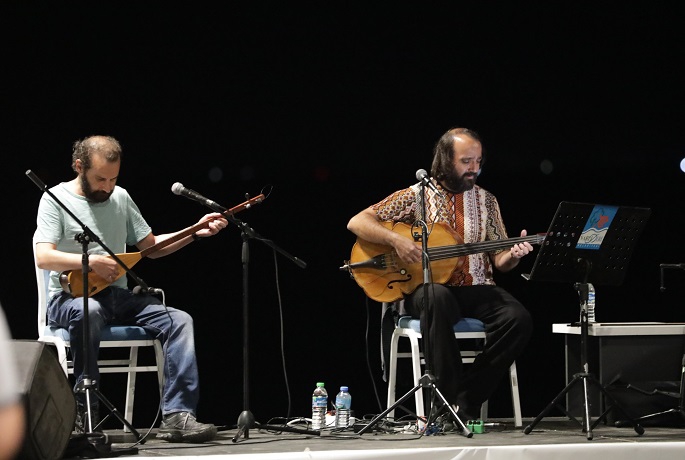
pixel 87 386
pixel 678 414
pixel 426 381
pixel 587 421
pixel 246 422
pixel 94 445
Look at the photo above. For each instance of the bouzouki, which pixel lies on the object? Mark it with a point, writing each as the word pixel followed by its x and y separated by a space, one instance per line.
pixel 384 277
pixel 72 280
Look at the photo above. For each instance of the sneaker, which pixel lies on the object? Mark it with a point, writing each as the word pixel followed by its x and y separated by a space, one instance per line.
pixel 183 427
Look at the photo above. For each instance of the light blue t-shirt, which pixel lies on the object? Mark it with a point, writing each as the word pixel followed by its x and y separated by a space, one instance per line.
pixel 117 222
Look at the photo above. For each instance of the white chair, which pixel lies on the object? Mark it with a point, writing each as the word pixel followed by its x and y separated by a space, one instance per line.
pixel 131 337
pixel 467 328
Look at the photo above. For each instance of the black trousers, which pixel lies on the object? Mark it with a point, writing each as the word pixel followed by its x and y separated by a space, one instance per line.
pixel 508 327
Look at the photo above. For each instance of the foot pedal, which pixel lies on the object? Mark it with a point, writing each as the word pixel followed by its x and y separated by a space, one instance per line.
pixel 475 426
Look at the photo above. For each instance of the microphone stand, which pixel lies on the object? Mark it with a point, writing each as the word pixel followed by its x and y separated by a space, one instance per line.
pixel 88 385
pixel 427 380
pixel 246 420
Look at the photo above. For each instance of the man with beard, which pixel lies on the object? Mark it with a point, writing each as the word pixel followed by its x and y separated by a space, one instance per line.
pixel 109 212
pixel 474 215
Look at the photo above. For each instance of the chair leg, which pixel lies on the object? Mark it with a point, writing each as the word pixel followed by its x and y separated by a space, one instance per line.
pixel 130 387
pixel 483 411
pixel 416 367
pixel 515 399
pixel 392 373
pixel 416 364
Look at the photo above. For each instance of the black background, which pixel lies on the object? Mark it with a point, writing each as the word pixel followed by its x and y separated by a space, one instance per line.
pixel 336 106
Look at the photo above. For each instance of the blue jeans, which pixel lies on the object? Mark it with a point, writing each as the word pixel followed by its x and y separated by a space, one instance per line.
pixel 113 305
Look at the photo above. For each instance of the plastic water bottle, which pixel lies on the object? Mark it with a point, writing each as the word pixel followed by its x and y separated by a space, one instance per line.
pixel 343 402
pixel 319 406
pixel 590 303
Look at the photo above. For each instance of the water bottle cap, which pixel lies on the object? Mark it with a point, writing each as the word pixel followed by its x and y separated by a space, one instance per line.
pixel 319 384
pixel 344 388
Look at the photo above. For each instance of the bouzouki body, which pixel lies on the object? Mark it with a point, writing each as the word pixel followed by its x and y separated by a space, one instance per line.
pixel 384 277
pixel 72 281
pixel 392 279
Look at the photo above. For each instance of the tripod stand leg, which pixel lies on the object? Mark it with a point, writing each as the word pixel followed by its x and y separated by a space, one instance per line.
pixel 586 414
pixel 375 420
pixel 88 422
pixel 464 430
pixel 587 425
pixel 550 406
pixel 614 404
pixel 86 386
pixel 115 412
pixel 98 444
pixel 424 381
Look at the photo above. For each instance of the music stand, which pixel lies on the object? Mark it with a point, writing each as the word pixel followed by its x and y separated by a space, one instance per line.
pixel 588 243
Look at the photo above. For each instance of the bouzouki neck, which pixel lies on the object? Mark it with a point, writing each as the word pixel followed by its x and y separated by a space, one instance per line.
pixel 189 231
pixel 446 252
pixel 162 244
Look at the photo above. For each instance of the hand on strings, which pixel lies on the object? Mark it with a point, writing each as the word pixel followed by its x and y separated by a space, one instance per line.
pixel 216 223
pixel 408 251
pixel 105 267
pixel 521 249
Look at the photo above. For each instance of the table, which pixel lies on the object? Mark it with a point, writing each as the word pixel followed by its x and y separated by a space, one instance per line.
pixel 621 352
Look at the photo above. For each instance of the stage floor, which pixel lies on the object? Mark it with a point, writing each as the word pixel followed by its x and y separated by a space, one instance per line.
pixel 556 438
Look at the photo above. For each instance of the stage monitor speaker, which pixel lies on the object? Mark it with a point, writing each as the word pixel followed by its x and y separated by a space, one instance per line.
pixel 48 400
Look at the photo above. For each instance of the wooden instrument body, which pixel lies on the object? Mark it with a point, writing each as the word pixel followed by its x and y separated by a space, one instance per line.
pixel 72 281
pixel 383 276
pixel 399 278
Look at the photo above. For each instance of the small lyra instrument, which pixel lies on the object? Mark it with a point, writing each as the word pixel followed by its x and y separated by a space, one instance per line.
pixel 72 280
pixel 383 276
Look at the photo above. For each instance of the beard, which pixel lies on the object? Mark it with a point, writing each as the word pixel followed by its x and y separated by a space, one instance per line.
pixel 96 196
pixel 459 184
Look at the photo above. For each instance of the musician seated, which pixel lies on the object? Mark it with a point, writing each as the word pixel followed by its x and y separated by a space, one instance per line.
pixel 109 212
pixel 457 211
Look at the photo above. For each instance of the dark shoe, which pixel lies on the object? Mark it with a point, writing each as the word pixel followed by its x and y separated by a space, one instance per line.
pixel 445 422
pixel 81 423
pixel 182 427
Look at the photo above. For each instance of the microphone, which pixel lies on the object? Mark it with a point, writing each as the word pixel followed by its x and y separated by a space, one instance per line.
pixel 179 189
pixel 146 290
pixel 422 176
